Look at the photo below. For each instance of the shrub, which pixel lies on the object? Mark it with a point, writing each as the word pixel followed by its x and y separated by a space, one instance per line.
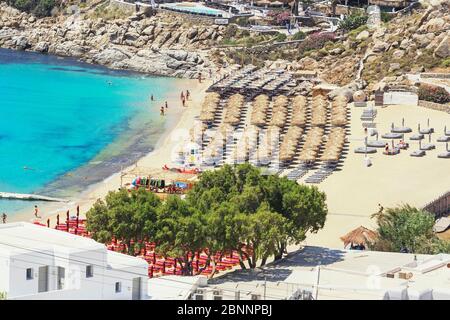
pixel 386 17
pixel 352 22
pixel 230 31
pixel 445 63
pixel 280 18
pixel 299 36
pixel 316 41
pixel 280 37
pixel 40 8
pixel 433 94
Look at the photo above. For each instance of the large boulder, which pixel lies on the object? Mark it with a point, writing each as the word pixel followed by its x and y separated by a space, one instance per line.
pixel 433 25
pixel 110 56
pixel 379 46
pixel 442 50
pixel 41 46
pixel 363 35
pixel 20 42
pixel 308 63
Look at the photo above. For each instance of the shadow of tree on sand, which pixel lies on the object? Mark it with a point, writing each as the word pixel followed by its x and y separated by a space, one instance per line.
pixel 280 270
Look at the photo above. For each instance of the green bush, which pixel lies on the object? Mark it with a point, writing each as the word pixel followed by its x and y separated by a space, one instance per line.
pixel 352 22
pixel 299 36
pixel 433 94
pixel 386 17
pixel 445 63
pixel 280 37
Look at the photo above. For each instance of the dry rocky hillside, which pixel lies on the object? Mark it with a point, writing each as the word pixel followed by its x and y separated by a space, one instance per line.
pixel 168 44
pixel 165 45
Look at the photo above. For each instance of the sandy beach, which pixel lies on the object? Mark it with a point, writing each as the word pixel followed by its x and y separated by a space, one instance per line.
pixel 353 193
pixel 179 120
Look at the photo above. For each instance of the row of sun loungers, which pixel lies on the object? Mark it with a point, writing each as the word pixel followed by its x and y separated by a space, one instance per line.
pixel 369 114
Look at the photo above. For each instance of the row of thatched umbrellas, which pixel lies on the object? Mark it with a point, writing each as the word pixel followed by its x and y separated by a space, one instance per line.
pixel 289 144
pixel 279 111
pixel 339 111
pixel 299 107
pixel 269 142
pixel 259 111
pixel 334 145
pixel 209 107
pixel 214 148
pixel 233 109
pixel 313 140
pixel 319 110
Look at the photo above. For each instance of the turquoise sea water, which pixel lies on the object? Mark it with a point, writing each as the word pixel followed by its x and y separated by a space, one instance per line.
pixel 59 116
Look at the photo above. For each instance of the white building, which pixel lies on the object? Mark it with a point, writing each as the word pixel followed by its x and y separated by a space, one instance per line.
pixel 325 274
pixel 38 263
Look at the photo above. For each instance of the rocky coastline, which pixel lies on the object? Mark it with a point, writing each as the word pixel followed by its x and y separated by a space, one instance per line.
pixel 161 44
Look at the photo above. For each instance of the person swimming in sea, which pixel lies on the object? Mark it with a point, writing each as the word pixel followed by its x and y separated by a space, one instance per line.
pixel 27 168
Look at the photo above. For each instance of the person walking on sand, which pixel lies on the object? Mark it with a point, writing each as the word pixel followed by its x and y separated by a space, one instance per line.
pixel 199 77
pixel 36 212
pixel 183 102
pixel 187 94
pixel 161 110
pixel 167 106
pixel 4 216
pixel 182 96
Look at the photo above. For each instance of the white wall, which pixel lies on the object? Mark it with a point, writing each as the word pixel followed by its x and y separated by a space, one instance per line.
pixel 400 98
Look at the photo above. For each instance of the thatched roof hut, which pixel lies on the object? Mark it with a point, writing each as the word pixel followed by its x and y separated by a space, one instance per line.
pixel 359 236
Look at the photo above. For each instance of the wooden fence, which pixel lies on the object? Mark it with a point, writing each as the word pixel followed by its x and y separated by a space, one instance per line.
pixel 439 207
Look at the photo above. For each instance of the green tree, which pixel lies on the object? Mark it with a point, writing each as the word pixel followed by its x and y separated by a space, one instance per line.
pixel 242 191
pixel 408 229
pixel 180 233
pixel 128 216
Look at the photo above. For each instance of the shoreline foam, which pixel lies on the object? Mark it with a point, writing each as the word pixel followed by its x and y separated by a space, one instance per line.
pixel 180 119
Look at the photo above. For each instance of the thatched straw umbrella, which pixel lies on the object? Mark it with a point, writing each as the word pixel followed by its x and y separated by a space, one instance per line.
pixel 360 236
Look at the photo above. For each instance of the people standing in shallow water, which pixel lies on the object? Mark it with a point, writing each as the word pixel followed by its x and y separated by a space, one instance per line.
pixel 151 98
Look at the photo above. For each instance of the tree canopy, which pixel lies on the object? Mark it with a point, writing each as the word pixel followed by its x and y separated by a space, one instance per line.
pixel 408 229
pixel 232 208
